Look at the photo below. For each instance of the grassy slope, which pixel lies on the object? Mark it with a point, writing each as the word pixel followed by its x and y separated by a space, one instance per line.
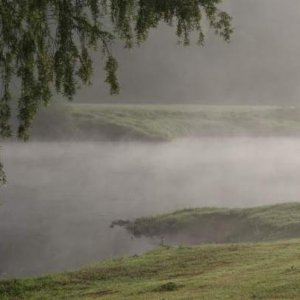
pixel 264 223
pixel 228 271
pixel 241 271
pixel 166 122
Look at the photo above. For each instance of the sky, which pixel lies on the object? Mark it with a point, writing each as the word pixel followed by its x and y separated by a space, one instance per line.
pixel 261 64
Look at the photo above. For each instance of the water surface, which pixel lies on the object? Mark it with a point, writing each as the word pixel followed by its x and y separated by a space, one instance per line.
pixel 61 197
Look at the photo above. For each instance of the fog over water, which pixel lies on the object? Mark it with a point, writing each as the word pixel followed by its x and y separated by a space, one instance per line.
pixel 61 197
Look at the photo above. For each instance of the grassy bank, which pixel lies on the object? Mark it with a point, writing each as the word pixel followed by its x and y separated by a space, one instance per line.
pixel 167 122
pixel 241 271
pixel 221 225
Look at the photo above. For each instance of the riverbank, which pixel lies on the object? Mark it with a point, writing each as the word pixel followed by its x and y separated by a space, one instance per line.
pixel 243 271
pixel 164 122
pixel 220 225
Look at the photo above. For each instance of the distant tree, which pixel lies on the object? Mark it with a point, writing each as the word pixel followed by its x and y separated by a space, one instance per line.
pixel 2 175
pixel 45 45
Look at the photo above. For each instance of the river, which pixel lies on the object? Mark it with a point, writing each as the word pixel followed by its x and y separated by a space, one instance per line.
pixel 61 198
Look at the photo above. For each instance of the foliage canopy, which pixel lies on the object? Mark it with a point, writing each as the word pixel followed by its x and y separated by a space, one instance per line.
pixel 46 45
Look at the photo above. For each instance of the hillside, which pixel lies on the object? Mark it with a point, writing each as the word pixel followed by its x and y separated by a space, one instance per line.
pixel 221 225
pixel 241 271
pixel 165 122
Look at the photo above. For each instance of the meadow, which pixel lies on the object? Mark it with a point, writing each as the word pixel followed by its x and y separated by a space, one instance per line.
pixel 228 271
pixel 220 225
pixel 167 122
pixel 264 270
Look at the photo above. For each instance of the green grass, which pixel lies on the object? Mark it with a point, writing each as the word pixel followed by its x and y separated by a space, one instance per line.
pixel 269 270
pixel 167 122
pixel 239 271
pixel 223 225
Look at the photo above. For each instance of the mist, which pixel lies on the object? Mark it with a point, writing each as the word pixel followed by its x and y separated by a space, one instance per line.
pixel 260 66
pixel 62 197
